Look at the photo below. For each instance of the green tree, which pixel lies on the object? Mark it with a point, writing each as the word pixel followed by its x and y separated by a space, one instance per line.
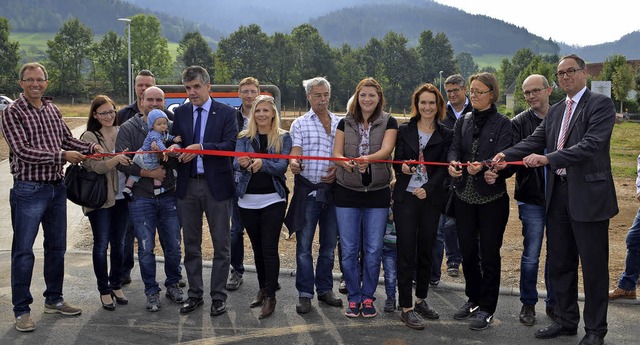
pixel 245 52
pixel 110 56
pixel 466 64
pixel 194 50
pixel 9 59
pixel 312 57
pixel 149 48
pixel 509 70
pixel 278 70
pixel 348 71
pixel 616 69
pixel 399 71
pixel 68 53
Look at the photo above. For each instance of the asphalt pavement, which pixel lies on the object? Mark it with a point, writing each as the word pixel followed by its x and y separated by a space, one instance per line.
pixel 132 324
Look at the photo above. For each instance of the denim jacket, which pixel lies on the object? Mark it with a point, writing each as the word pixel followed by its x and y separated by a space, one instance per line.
pixel 274 167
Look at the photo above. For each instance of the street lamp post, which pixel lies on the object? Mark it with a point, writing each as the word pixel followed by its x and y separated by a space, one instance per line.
pixel 440 81
pixel 127 22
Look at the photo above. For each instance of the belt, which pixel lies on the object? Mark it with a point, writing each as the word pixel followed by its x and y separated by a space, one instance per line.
pixel 198 176
pixel 53 183
pixel 561 178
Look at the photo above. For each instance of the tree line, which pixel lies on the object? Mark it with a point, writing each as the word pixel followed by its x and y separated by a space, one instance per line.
pixel 80 68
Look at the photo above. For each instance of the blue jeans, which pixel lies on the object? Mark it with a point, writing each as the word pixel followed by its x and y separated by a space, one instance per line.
pixel 369 225
pixel 629 278
pixel 237 239
pixel 390 267
pixel 324 215
pixel 32 204
pixel 147 215
pixel 447 238
pixel 109 226
pixel 533 220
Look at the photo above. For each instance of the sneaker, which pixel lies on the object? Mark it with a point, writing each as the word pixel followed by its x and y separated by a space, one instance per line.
pixel 368 309
pixel 389 305
pixel 453 271
pixel 153 302
pixel 304 305
pixel 234 281
pixel 342 288
pixel 62 308
pixel 433 283
pixel 466 310
pixel 412 320
pixel 353 310
pixel 175 294
pixel 24 323
pixel 528 314
pixel 481 321
pixel 127 193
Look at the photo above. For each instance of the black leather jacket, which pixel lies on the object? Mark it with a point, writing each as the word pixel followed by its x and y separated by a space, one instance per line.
pixel 529 181
pixel 494 137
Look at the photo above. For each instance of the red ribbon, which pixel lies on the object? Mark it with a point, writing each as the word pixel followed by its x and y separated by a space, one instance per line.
pixel 281 156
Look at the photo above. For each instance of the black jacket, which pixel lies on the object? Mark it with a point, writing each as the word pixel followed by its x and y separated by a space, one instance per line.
pixel 495 136
pixel 131 110
pixel 450 119
pixel 407 147
pixel 529 181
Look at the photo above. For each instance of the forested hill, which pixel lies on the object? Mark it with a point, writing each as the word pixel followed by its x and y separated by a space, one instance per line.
pixel 100 15
pixel 475 34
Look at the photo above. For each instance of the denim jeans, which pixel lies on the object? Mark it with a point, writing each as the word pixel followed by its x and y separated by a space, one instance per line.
pixel 390 267
pixel 109 227
pixel 533 218
pixel 629 278
pixel 368 225
pixel 128 258
pixel 147 215
pixel 237 239
pixel 324 216
pixel 446 239
pixel 32 204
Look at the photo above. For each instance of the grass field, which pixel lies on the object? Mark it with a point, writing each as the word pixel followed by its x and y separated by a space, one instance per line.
pixel 33 46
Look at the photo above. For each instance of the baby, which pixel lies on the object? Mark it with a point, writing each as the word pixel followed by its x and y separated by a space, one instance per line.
pixel 158 125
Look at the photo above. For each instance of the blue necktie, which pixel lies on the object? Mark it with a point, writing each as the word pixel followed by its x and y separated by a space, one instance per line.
pixel 196 140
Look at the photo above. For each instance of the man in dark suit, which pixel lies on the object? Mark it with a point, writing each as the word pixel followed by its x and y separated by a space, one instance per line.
pixel 205 185
pixel 580 199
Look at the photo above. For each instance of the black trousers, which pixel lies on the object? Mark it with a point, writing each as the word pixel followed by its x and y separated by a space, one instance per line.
pixel 480 231
pixel 263 227
pixel 416 228
pixel 569 242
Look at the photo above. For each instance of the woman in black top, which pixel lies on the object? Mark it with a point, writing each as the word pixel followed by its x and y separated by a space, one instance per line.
pixel 418 197
pixel 481 210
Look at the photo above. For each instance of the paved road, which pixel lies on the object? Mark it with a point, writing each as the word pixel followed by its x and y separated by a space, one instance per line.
pixel 132 324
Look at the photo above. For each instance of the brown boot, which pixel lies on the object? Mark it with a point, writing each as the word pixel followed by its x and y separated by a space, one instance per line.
pixel 268 307
pixel 258 300
pixel 621 293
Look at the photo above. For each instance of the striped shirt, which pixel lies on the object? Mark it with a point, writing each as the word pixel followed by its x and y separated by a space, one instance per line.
pixel 37 138
pixel 308 133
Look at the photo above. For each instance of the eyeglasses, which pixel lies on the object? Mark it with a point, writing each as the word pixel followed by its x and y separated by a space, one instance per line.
pixel 531 93
pixel 456 90
pixel 249 92
pixel 106 113
pixel 31 80
pixel 478 93
pixel 569 73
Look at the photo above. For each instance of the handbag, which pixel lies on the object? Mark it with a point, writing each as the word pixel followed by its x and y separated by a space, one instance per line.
pixel 85 188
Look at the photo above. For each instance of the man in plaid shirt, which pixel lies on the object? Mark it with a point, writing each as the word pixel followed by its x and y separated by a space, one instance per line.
pixel 40 145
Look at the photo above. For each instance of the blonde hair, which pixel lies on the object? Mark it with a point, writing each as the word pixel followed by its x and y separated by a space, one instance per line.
pixel 273 137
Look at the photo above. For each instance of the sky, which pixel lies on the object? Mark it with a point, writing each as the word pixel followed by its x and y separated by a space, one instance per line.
pixel 580 23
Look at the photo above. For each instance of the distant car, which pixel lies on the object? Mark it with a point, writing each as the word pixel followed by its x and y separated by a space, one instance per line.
pixel 4 102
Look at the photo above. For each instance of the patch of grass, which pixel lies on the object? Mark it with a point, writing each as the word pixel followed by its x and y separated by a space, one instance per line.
pixel 492 60
pixel 625 147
